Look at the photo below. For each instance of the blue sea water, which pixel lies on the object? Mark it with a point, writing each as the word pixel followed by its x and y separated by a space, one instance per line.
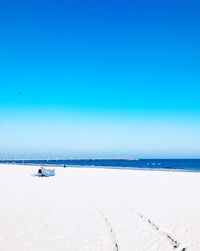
pixel 174 164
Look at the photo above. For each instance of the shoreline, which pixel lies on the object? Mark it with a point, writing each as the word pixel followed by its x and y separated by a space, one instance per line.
pixel 108 167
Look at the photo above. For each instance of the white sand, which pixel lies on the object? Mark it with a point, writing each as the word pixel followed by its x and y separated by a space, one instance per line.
pixel 99 210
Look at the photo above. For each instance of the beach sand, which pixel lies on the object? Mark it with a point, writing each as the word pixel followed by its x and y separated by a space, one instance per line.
pixel 90 209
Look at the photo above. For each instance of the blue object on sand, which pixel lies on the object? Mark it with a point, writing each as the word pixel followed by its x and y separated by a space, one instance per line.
pixel 48 172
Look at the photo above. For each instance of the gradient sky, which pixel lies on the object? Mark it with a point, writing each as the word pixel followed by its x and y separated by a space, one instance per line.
pixel 100 78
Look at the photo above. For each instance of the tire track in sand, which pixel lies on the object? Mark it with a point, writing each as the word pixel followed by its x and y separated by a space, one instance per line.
pixel 109 228
pixel 173 242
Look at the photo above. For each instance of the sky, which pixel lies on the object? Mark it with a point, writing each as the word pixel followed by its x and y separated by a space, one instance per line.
pixel 109 78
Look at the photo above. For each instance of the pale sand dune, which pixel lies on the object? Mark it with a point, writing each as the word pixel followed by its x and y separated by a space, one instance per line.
pixel 99 210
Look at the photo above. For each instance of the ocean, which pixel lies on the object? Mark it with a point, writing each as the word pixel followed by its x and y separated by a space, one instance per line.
pixel 174 164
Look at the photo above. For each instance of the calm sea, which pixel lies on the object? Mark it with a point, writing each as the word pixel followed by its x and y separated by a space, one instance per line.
pixel 177 164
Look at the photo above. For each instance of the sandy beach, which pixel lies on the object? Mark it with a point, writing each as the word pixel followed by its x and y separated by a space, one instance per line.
pixel 90 209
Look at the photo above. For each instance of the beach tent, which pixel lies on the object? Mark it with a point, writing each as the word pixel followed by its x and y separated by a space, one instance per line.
pixel 43 172
pixel 48 172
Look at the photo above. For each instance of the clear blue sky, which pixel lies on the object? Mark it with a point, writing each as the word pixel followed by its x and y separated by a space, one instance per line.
pixel 100 78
